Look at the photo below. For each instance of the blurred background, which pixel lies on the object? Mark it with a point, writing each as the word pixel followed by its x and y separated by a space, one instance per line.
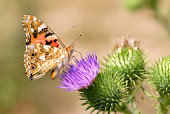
pixel 101 22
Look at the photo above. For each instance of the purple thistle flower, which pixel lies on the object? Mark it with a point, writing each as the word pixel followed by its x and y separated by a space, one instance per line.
pixel 81 74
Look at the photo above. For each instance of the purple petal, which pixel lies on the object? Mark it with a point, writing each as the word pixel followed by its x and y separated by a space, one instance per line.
pixel 81 74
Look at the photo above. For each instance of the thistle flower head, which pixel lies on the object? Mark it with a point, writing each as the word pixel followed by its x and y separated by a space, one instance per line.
pixel 81 74
pixel 160 79
pixel 106 93
pixel 128 60
pixel 160 76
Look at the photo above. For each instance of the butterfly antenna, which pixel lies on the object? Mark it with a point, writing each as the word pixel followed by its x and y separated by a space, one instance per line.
pixel 73 26
pixel 76 39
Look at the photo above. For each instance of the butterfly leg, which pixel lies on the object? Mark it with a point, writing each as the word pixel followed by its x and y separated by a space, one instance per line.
pixel 53 74
pixel 79 53
pixel 56 72
pixel 74 58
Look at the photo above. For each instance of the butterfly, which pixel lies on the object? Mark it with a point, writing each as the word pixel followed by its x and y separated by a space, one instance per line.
pixel 44 50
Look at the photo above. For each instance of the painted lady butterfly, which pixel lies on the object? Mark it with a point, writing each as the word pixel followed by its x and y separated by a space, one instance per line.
pixel 44 50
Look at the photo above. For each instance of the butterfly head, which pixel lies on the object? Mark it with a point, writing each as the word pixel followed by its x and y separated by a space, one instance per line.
pixel 70 50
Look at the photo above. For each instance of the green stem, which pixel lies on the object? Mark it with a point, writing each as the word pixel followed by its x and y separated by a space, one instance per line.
pixel 131 100
pixel 148 94
pixel 164 103
pixel 163 108
pixel 127 111
pixel 132 96
pixel 134 107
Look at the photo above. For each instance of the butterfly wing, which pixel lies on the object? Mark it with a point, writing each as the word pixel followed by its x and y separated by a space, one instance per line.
pixel 37 32
pixel 40 58
pixel 44 50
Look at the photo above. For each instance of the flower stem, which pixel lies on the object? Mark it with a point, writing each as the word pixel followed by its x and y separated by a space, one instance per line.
pixel 164 102
pixel 132 96
pixel 131 100
pixel 163 109
pixel 127 111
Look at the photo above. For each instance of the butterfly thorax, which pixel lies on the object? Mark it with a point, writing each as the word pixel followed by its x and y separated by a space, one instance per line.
pixel 70 50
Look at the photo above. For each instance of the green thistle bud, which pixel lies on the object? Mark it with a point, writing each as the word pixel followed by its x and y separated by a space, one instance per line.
pixel 134 4
pixel 106 93
pixel 160 76
pixel 160 79
pixel 152 3
pixel 128 60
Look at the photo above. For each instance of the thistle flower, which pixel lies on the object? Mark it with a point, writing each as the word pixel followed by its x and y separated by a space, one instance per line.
pixel 128 60
pixel 160 79
pixel 105 94
pixel 102 91
pixel 160 76
pixel 81 74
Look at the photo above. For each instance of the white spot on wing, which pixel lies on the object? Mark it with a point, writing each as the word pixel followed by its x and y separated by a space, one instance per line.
pixel 34 19
pixel 55 50
pixel 32 47
pixel 32 30
pixel 41 27
pixel 62 56
pixel 46 47
pixel 23 21
pixel 25 29
pixel 27 18
pixel 42 57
